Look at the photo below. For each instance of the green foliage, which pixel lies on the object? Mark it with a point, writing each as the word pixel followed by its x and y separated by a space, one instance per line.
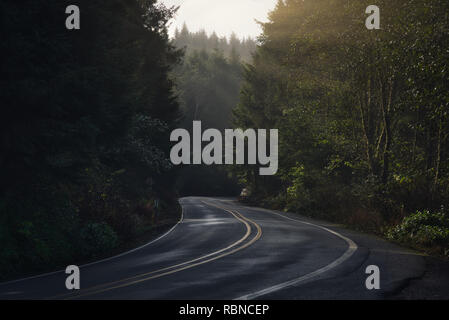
pixel 208 83
pixel 298 197
pixel 98 238
pixel 362 115
pixel 208 86
pixel 423 229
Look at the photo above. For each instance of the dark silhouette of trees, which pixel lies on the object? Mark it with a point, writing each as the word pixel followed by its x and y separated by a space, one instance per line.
pixel 86 116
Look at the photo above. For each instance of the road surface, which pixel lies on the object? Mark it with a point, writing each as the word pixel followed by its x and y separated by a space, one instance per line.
pixel 221 249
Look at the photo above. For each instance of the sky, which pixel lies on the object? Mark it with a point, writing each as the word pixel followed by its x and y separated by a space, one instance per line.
pixel 221 16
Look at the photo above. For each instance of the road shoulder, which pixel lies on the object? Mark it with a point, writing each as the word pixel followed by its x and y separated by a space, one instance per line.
pixel 432 285
pixel 411 275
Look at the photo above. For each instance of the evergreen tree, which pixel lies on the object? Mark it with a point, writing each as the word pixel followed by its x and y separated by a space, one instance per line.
pixel 361 114
pixel 83 137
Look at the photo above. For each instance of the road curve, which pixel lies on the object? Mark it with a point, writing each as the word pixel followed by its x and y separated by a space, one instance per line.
pixel 224 250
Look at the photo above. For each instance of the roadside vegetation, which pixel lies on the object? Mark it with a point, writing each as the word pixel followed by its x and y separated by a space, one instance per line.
pixel 428 231
pixel 363 116
pixel 86 116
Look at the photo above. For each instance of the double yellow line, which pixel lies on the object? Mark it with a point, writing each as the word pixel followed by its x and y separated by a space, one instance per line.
pixel 231 249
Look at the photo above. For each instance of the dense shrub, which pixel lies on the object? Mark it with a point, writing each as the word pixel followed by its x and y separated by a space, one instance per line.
pixel 424 229
pixel 98 238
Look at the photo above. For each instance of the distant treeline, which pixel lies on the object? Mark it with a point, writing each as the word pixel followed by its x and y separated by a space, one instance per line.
pixel 208 85
pixel 201 41
pixel 363 115
pixel 84 130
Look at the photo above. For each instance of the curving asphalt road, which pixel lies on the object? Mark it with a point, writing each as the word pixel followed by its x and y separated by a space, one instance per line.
pixel 224 250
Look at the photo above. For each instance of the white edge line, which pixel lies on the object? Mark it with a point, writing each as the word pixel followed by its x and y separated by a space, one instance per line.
pixel 103 260
pixel 308 277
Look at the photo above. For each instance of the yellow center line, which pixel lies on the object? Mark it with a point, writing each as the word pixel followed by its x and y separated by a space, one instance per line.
pixel 179 267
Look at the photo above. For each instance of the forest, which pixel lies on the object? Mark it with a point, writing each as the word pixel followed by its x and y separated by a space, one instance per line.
pixel 363 120
pixel 208 82
pixel 232 47
pixel 363 116
pixel 86 116
pixel 85 132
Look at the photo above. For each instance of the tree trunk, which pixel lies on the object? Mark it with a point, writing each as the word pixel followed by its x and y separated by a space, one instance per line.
pixel 438 159
pixel 386 102
pixel 365 101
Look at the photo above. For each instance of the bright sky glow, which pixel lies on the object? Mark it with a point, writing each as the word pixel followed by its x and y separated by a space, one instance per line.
pixel 221 16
